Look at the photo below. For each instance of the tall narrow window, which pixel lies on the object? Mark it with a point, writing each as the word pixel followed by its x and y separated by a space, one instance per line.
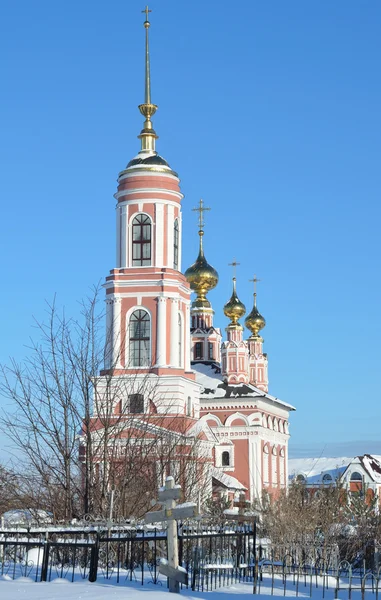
pixel 176 245
pixel 179 333
pixel 139 334
pixel 141 241
pixel 225 459
pixel 210 346
pixel 198 351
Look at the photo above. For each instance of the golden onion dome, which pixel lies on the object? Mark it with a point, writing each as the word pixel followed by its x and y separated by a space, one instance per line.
pixel 254 321
pixel 234 309
pixel 202 277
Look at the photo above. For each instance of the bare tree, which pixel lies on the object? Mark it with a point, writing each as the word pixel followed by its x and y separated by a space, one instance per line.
pixel 75 432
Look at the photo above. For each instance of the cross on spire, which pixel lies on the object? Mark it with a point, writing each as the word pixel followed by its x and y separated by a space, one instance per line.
pixel 201 209
pixel 234 264
pixel 255 281
pixel 146 10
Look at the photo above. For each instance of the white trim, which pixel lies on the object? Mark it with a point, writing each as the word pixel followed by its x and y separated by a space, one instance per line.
pixel 161 330
pixel 159 246
pixel 180 219
pixel 146 200
pixel 170 237
pixel 233 417
pixel 146 173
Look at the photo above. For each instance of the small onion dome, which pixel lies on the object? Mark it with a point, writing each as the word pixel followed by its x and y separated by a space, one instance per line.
pixel 202 278
pixel 254 321
pixel 234 309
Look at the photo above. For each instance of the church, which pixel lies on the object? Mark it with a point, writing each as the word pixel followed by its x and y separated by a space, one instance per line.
pixel 162 343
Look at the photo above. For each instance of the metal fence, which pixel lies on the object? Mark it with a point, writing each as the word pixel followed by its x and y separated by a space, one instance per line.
pixel 213 556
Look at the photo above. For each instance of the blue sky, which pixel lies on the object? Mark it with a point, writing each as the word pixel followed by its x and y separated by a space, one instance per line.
pixel 270 112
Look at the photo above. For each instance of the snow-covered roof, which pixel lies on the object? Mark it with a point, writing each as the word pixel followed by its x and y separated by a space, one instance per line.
pixel 227 480
pixel 313 469
pixel 210 378
pixel 372 465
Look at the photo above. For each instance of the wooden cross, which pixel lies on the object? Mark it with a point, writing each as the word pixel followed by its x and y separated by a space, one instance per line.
pixel 201 209
pixel 234 264
pixel 146 10
pixel 255 281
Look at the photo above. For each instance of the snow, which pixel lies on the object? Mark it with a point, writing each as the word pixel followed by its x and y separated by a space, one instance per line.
pixel 227 480
pixel 314 468
pixel 210 380
pixel 23 587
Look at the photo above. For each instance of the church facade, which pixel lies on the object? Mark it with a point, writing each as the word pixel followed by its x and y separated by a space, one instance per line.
pixel 166 350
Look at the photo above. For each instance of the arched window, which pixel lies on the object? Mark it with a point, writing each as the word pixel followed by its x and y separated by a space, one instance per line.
pixel 179 333
pixel 141 241
pixel 300 479
pixel 176 245
pixel 327 478
pixel 139 333
pixel 225 459
pixel 356 476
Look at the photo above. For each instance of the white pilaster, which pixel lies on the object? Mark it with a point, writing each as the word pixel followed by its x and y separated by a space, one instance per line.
pixel 124 237
pixel 161 332
pixel 116 330
pixel 174 334
pixel 159 233
pixel 109 333
pixel 117 258
pixel 187 339
pixel 180 239
pixel 255 469
pixel 170 235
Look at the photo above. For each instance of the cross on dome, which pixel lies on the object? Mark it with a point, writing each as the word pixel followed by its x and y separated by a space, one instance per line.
pixel 234 264
pixel 201 209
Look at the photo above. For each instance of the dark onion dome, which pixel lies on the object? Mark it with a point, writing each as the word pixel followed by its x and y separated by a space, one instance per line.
pixel 254 321
pixel 150 161
pixel 234 309
pixel 202 278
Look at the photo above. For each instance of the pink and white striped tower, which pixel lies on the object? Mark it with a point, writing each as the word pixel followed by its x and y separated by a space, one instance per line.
pixel 258 363
pixel 234 351
pixel 147 297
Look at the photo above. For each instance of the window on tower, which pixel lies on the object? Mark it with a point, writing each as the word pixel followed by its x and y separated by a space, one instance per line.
pixel 176 245
pixel 210 346
pixel 139 335
pixel 225 459
pixel 198 351
pixel 141 241
pixel 136 403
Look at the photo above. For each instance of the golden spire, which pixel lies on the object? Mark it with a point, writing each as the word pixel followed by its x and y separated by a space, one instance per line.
pixel 254 321
pixel 147 134
pixel 201 276
pixel 234 309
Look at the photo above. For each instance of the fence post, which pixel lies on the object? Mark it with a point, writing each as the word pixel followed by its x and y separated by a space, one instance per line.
pixel 94 556
pixel 45 559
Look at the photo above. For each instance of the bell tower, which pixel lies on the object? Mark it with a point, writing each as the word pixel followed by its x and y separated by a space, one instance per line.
pixel 147 297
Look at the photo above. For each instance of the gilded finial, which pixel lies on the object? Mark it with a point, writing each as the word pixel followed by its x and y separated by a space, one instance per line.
pixel 234 309
pixel 147 134
pixel 254 321
pixel 201 276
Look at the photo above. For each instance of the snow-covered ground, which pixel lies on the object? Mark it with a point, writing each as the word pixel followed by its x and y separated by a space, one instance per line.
pixel 62 589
